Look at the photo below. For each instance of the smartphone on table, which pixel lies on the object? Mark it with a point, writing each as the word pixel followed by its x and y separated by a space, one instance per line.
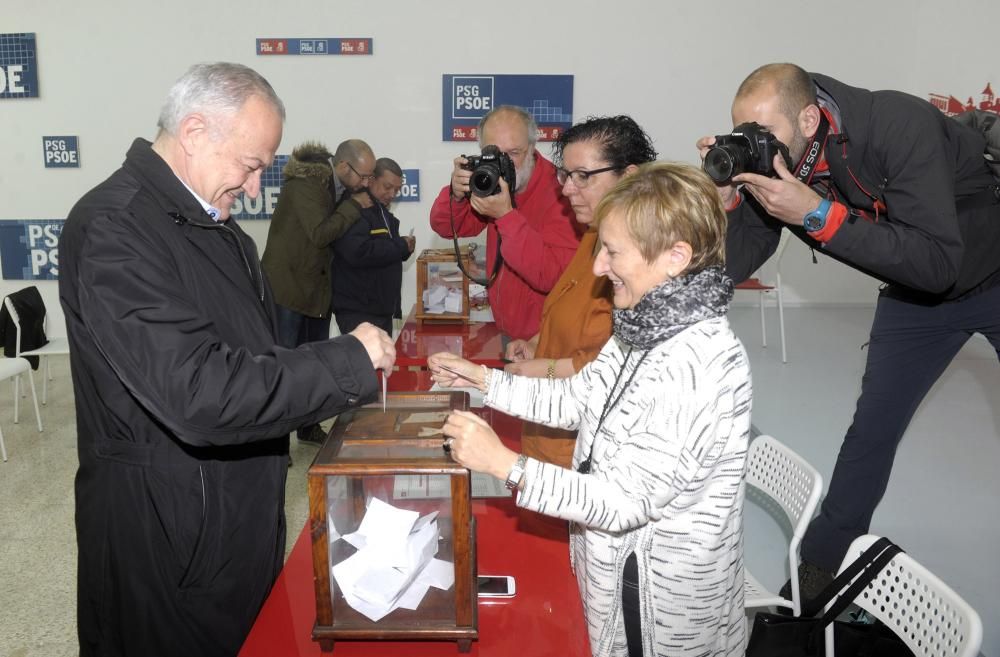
pixel 495 586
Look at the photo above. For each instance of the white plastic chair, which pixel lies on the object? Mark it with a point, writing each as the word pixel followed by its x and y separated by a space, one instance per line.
pixel 11 368
pixel 917 606
pixel 55 347
pixel 795 486
pixel 756 285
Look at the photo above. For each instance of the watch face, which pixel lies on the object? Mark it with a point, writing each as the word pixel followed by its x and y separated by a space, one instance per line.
pixel 813 221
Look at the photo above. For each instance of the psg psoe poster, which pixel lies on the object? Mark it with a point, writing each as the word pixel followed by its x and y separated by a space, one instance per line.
pixel 29 249
pixel 331 46
pixel 18 66
pixel 467 98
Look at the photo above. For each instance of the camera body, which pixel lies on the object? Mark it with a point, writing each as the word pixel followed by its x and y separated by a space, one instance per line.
pixel 487 170
pixel 749 148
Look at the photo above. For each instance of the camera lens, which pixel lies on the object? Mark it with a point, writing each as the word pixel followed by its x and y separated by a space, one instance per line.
pixel 485 180
pixel 724 162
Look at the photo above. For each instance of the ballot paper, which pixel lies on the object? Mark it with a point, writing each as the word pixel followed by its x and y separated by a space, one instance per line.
pixel 439 299
pixel 394 565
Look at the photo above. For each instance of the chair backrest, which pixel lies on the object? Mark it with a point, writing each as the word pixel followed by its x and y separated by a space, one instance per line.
pixel 917 606
pixel 785 477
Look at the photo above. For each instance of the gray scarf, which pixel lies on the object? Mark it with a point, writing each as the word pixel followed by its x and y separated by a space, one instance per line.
pixel 674 305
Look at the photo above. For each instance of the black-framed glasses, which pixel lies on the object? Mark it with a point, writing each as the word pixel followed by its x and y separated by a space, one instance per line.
pixel 581 177
pixel 365 177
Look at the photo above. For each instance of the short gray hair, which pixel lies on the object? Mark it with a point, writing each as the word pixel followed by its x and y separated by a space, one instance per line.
pixel 214 88
pixel 520 112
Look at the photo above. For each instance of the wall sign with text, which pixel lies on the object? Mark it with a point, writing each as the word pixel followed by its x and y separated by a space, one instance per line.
pixel 410 191
pixel 18 66
pixel 332 46
pixel 29 249
pixel 61 152
pixel 262 206
pixel 467 98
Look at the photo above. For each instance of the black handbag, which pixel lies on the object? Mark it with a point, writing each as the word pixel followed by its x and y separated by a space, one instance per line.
pixel 775 635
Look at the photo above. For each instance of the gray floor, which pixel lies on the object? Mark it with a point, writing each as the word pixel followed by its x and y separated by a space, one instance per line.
pixel 941 505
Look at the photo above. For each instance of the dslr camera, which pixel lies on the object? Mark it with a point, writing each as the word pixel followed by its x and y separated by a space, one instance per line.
pixel 750 148
pixel 487 170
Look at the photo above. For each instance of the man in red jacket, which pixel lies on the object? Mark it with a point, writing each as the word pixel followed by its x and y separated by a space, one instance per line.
pixel 537 239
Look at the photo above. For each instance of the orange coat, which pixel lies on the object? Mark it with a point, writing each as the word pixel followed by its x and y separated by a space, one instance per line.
pixel 576 323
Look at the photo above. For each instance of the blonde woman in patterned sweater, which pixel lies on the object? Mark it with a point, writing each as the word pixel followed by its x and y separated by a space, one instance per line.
pixel 655 494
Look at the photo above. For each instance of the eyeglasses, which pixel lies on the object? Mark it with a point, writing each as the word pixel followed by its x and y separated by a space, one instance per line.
pixel 581 177
pixel 365 177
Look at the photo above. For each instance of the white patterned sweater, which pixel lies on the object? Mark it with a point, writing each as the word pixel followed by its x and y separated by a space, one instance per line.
pixel 666 482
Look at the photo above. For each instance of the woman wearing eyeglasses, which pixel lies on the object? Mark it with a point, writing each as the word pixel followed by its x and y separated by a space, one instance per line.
pixel 576 317
pixel 655 494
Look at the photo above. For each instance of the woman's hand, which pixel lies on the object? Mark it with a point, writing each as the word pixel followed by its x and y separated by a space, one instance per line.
pixel 535 367
pixel 451 371
pixel 518 350
pixel 476 446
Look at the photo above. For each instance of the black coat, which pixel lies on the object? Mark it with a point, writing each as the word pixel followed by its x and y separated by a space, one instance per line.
pixel 918 164
pixel 184 405
pixel 368 264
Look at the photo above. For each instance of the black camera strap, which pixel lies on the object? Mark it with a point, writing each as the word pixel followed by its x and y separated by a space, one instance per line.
pixel 497 261
pixel 807 165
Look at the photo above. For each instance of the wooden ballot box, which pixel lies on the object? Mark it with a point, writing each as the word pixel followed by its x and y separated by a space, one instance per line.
pixel 446 287
pixel 394 457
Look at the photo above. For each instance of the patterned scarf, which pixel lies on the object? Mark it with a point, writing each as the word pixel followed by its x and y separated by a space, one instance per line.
pixel 672 306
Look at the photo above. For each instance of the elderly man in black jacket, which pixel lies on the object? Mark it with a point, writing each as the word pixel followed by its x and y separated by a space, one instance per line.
pixel 368 258
pixel 885 183
pixel 184 400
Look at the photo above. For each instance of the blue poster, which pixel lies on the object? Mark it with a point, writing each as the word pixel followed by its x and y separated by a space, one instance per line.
pixel 332 46
pixel 18 66
pixel 29 249
pixel 467 98
pixel 262 206
pixel 60 152
pixel 410 191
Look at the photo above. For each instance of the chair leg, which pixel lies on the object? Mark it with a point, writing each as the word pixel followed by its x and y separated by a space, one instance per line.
pixel 763 324
pixel 781 321
pixel 17 398
pixel 45 381
pixel 34 400
pixel 3 448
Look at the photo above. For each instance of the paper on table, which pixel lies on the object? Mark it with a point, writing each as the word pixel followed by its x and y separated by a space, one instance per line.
pixel 427 417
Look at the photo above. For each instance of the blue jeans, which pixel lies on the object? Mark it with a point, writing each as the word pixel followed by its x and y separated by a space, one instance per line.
pixel 294 328
pixel 911 344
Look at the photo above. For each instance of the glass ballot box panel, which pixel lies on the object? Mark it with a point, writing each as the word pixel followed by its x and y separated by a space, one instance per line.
pixel 391 524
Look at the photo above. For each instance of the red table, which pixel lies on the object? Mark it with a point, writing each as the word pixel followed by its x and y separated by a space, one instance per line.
pixel 544 618
pixel 479 342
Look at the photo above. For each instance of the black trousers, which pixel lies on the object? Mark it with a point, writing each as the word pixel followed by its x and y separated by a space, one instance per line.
pixel 911 345
pixel 348 320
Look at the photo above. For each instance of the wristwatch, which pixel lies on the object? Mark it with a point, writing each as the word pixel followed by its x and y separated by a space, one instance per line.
pixel 815 220
pixel 516 473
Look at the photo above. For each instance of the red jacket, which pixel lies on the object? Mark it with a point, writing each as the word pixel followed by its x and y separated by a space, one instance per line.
pixel 538 239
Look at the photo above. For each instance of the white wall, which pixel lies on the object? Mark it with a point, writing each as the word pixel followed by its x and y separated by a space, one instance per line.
pixel 105 66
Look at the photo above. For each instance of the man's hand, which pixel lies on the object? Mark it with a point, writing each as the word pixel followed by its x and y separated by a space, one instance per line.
pixel 785 197
pixel 378 344
pixel 411 242
pixel 494 206
pixel 363 198
pixel 460 178
pixel 476 446
pixel 727 191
